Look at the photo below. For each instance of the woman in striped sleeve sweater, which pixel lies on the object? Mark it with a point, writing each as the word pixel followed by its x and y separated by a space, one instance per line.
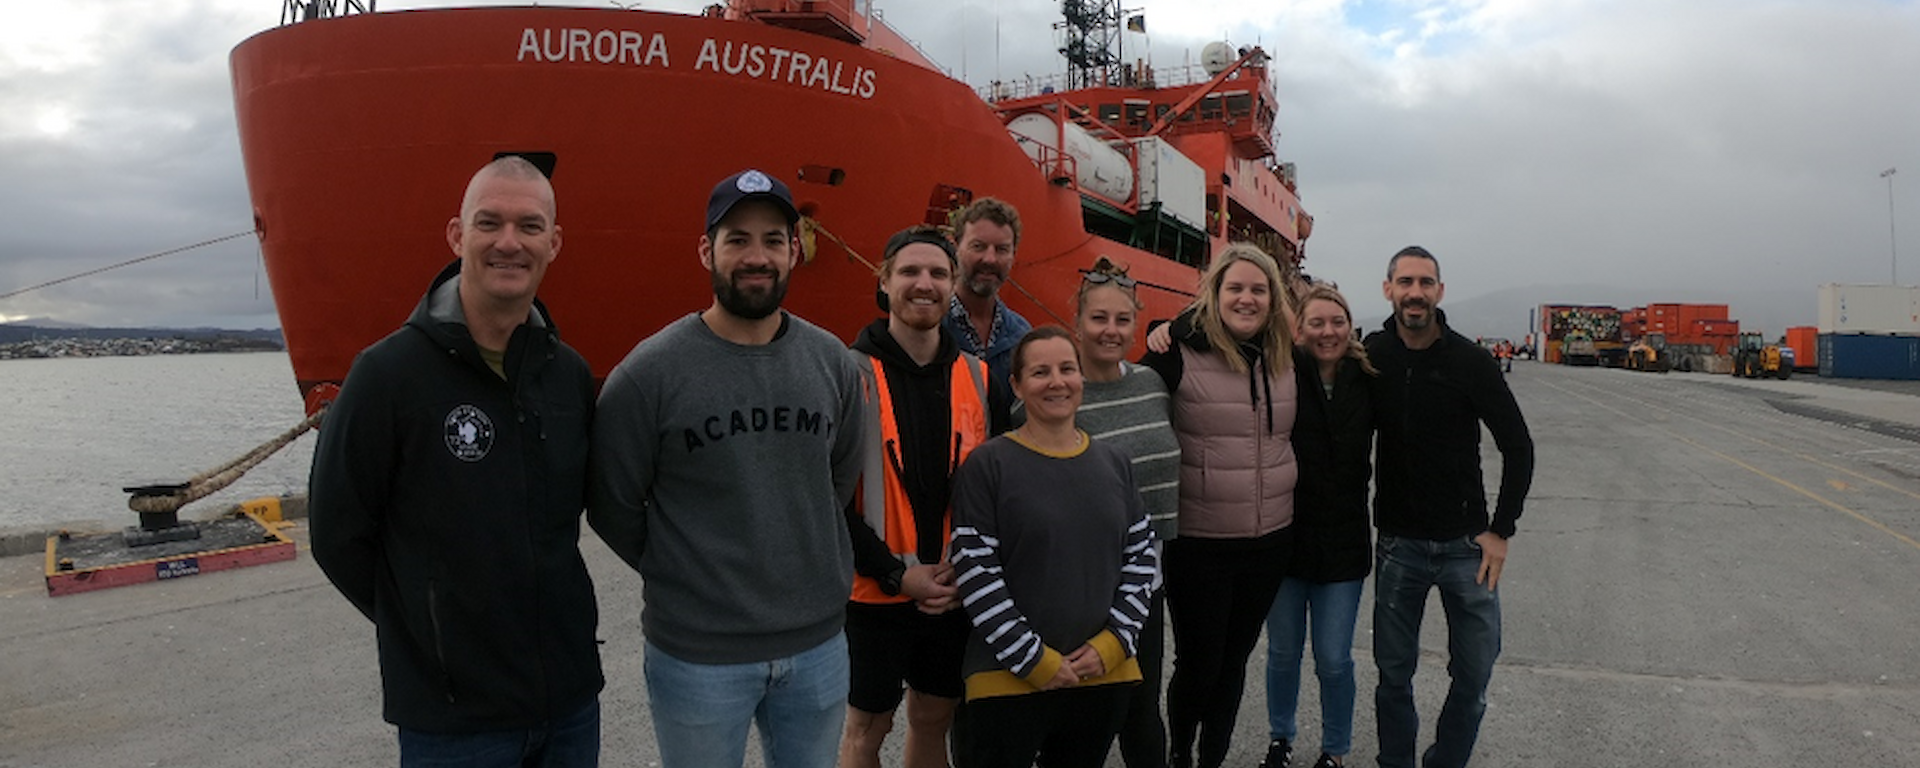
pixel 1054 560
pixel 1126 406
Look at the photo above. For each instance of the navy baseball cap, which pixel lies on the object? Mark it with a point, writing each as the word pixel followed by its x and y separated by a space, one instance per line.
pixel 749 185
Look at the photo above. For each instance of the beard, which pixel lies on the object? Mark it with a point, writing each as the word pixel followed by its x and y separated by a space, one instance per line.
pixel 911 315
pixel 1419 324
pixel 985 282
pixel 750 304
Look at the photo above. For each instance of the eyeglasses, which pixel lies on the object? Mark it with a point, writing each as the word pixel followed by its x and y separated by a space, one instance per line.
pixel 1099 278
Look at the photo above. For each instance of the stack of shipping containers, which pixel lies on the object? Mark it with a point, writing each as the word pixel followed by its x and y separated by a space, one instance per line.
pixel 1869 331
pixel 1699 336
pixel 1602 324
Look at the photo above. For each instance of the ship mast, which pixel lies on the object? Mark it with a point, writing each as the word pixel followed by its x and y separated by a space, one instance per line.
pixel 1091 42
pixel 296 11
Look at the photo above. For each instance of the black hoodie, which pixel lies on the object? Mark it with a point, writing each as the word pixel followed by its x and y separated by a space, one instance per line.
pixel 445 504
pixel 1428 405
pixel 921 399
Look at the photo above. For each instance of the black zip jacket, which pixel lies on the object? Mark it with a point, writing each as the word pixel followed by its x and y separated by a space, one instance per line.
pixel 445 503
pixel 921 398
pixel 1428 405
pixel 1332 439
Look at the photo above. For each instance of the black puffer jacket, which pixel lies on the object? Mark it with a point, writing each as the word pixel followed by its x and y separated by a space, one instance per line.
pixel 445 504
pixel 1332 439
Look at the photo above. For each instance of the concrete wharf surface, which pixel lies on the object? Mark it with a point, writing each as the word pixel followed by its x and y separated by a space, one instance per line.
pixel 1710 572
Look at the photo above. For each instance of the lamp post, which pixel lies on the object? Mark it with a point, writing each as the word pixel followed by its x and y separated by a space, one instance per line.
pixel 1893 249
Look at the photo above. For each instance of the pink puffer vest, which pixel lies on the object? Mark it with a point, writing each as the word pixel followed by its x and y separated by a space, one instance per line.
pixel 1236 474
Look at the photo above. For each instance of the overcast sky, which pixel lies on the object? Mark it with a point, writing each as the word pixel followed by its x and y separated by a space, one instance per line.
pixel 1614 150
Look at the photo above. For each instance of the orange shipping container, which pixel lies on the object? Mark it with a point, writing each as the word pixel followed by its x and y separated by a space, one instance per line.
pixel 1693 313
pixel 1719 327
pixel 1804 340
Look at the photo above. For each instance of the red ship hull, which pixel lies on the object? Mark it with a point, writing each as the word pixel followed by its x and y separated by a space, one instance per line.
pixel 359 133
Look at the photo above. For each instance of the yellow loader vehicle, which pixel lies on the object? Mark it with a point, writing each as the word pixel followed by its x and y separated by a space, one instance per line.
pixel 1650 354
pixel 1754 358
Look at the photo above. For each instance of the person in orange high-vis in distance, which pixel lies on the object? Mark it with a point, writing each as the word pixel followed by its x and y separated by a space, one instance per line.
pixel 928 406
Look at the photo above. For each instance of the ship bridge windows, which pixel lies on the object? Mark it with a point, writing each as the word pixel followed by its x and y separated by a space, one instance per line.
pixel 1210 107
pixel 1109 114
pixel 1136 113
pixel 1239 104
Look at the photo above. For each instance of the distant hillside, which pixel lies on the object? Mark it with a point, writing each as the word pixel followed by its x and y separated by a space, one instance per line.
pixel 16 332
pixel 1506 313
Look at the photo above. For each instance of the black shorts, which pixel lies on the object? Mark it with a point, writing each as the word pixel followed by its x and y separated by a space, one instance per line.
pixel 892 645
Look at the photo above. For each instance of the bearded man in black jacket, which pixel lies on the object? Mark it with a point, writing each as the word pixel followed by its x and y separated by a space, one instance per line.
pixel 1434 390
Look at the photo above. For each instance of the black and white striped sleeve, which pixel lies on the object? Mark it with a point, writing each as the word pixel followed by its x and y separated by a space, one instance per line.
pixel 981 580
pixel 1138 569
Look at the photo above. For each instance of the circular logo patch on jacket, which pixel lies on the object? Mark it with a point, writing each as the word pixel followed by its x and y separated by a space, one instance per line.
pixel 469 433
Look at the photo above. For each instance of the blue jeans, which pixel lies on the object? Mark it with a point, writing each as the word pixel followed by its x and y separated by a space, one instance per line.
pixel 701 711
pixel 569 742
pixel 1406 569
pixel 1332 608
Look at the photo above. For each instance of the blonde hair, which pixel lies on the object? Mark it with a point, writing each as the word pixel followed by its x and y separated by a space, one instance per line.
pixel 1104 266
pixel 1355 350
pixel 1275 339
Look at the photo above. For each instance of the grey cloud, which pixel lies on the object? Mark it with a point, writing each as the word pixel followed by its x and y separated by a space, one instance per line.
pixel 1665 151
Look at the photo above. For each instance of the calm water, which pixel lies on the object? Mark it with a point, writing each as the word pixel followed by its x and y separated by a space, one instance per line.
pixel 73 431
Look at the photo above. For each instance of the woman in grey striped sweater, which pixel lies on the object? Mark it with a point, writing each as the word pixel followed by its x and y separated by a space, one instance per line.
pixel 1125 406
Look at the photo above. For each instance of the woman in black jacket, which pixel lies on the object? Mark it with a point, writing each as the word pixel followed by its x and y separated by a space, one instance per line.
pixel 1332 436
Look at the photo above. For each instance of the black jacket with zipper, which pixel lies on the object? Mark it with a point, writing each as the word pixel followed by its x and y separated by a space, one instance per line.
pixel 1332 437
pixel 445 504
pixel 1429 404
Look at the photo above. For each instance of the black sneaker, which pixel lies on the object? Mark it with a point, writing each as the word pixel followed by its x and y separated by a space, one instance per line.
pixel 1279 754
pixel 1326 761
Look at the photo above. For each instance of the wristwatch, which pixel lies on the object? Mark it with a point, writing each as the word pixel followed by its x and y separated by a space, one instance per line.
pixel 890 583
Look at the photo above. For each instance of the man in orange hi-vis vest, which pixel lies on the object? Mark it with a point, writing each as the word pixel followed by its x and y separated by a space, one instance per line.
pixel 928 406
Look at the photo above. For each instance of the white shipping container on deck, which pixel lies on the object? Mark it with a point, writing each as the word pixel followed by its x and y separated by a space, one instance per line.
pixel 1878 309
pixel 1172 179
pixel 1098 168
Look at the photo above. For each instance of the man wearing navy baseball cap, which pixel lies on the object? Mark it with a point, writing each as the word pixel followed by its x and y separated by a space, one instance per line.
pixel 725 449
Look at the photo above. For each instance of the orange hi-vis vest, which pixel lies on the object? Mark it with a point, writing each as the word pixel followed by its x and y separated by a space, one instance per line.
pixel 882 493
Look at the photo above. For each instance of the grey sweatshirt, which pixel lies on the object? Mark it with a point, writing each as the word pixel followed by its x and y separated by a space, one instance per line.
pixel 719 472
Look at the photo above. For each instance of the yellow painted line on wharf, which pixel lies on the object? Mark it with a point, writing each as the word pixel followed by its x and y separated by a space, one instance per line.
pixel 1765 442
pixel 1855 514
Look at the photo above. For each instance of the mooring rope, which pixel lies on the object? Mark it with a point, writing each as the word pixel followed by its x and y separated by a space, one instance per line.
pixel 127 263
pixel 822 229
pixel 211 481
pixel 815 225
